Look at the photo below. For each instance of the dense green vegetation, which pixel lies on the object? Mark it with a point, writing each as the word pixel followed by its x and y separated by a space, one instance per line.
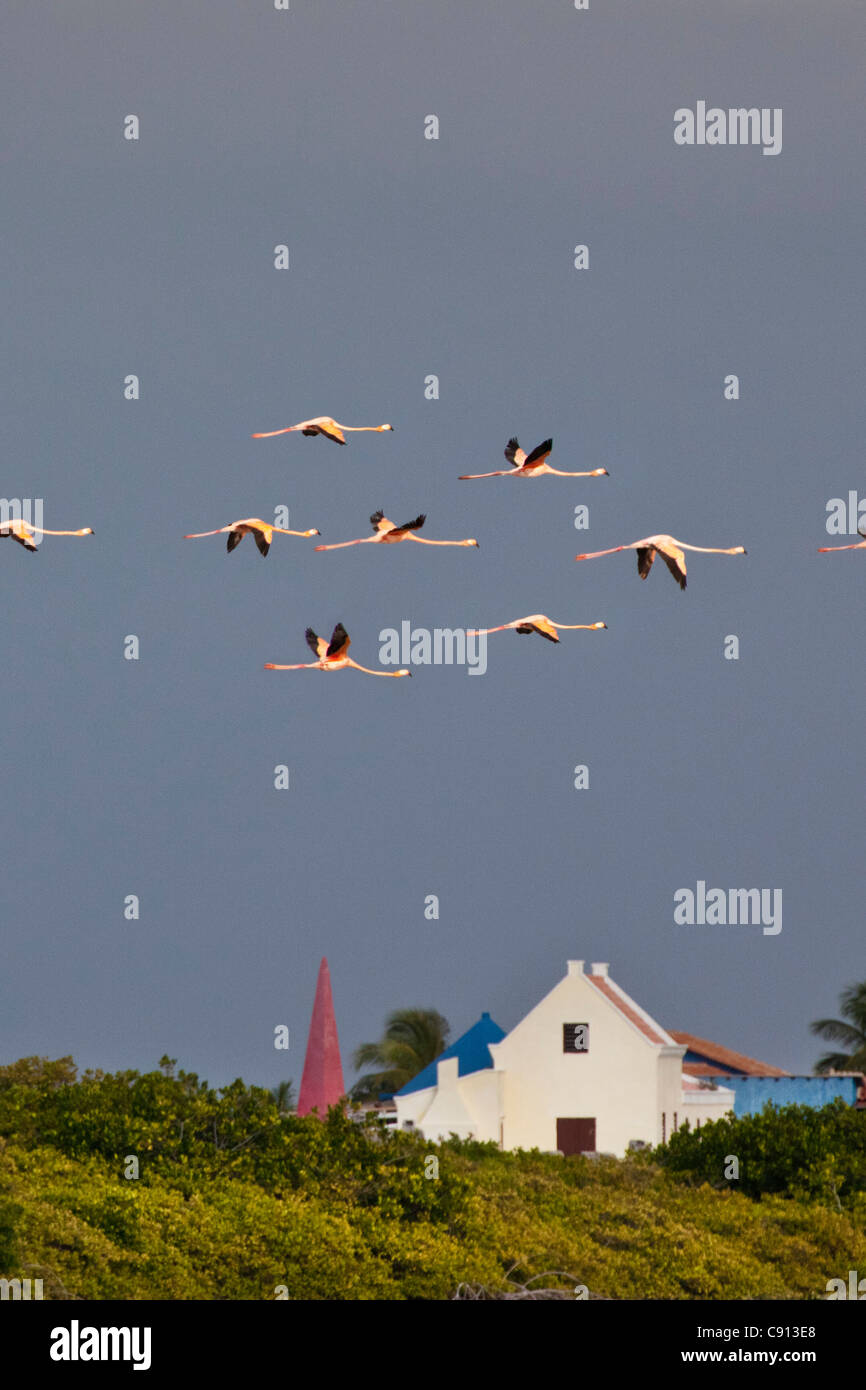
pixel 234 1200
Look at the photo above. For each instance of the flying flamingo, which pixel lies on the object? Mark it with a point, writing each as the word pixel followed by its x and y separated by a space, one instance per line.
pixel 331 656
pixel 23 532
pixel 386 533
pixel 323 424
pixel 671 551
pixel 261 531
pixel 858 545
pixel 537 622
pixel 525 465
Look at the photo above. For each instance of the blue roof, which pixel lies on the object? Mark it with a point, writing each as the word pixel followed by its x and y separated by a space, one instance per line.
pixel 470 1050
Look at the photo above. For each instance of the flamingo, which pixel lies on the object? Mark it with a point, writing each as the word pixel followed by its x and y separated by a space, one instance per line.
pixel 858 545
pixel 386 533
pixel 331 656
pixel 671 551
pixel 323 424
pixel 540 623
pixel 525 465
pixel 23 532
pixel 261 531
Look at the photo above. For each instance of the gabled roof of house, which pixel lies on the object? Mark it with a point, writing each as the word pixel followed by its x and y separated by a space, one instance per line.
pixel 629 1009
pixel 470 1049
pixel 709 1059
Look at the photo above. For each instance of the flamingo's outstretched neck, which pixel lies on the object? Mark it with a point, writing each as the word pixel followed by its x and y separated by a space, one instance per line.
pixel 392 675
pixel 82 531
pixel 592 473
pixel 711 549
pixel 423 540
pixel 594 554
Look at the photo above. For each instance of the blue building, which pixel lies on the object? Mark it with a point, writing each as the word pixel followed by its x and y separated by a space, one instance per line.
pixel 754 1083
pixel 753 1092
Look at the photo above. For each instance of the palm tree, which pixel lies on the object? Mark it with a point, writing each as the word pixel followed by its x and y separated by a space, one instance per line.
pixel 284 1095
pixel 412 1039
pixel 852 1034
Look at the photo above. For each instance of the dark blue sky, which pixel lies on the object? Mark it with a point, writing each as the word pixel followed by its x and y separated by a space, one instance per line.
pixel 411 257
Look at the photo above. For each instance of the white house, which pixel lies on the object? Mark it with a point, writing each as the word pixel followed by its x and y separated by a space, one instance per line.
pixel 586 1070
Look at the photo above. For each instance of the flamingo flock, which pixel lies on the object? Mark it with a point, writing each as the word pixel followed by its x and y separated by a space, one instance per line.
pixel 333 655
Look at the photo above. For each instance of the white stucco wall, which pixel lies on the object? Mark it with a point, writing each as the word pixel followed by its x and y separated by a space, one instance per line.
pixel 700 1106
pixel 620 1081
pixel 469 1106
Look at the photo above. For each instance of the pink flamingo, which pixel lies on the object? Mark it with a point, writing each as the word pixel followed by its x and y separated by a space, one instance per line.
pixel 537 622
pixel 525 465
pixel 386 533
pixel 323 424
pixel 331 656
pixel 23 532
pixel 858 545
pixel 261 531
pixel 671 551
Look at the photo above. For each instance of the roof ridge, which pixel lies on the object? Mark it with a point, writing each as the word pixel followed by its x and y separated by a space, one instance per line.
pixel 630 1010
pixel 726 1056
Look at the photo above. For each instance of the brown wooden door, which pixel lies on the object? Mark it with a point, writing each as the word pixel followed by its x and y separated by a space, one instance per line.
pixel 575 1136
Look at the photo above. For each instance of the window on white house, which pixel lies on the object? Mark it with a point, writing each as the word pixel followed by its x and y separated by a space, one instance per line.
pixel 575 1037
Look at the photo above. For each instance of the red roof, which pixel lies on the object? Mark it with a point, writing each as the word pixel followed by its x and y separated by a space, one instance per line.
pixel 605 987
pixel 726 1060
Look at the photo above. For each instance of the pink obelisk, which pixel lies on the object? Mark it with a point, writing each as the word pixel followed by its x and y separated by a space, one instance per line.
pixel 322 1083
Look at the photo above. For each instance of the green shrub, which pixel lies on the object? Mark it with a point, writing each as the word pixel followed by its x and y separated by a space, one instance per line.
pixel 793 1149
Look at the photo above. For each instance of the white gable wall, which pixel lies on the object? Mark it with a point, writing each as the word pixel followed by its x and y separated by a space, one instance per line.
pixel 619 1082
